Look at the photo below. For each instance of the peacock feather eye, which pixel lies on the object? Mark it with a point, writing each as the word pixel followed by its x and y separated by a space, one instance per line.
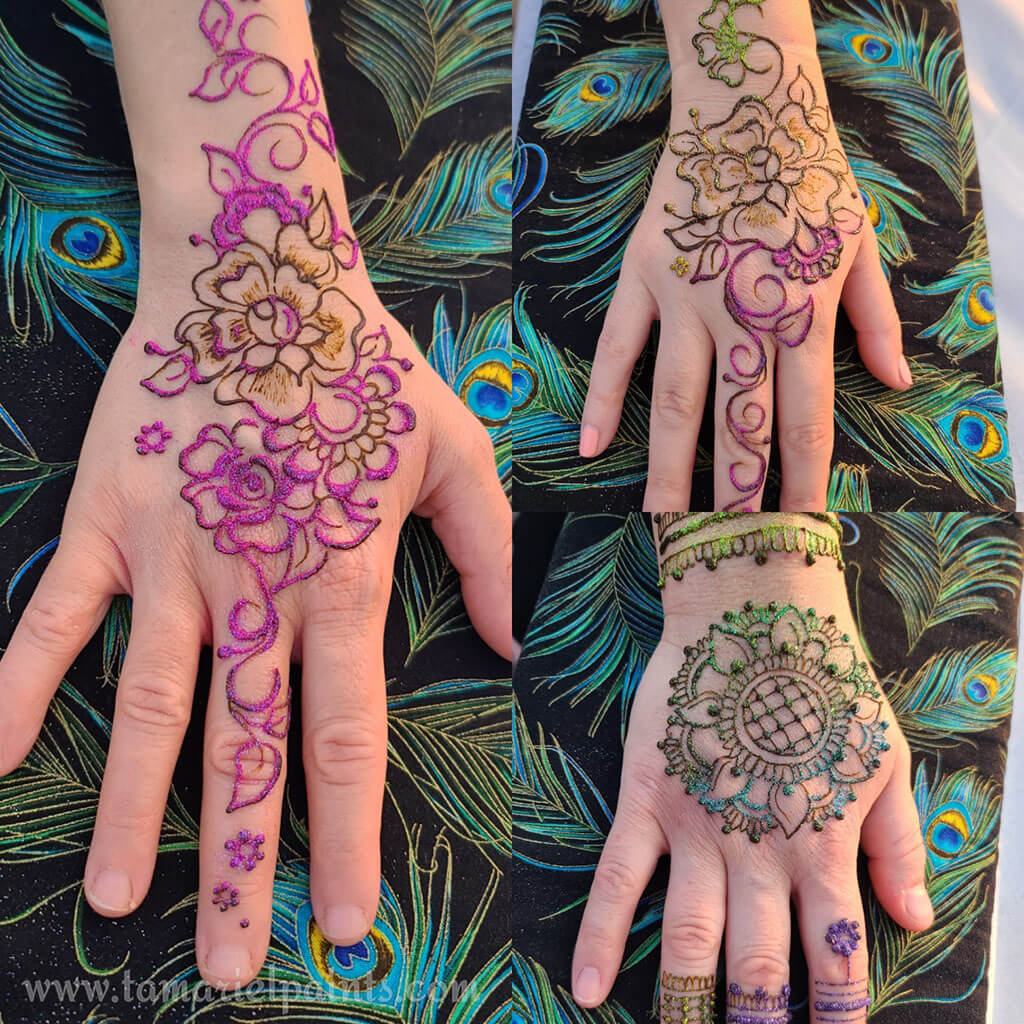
pixel 947 831
pixel 978 689
pixel 88 242
pixel 870 48
pixel 875 212
pixel 485 387
pixel 501 192
pixel 345 968
pixel 600 87
pixel 975 432
pixel 980 304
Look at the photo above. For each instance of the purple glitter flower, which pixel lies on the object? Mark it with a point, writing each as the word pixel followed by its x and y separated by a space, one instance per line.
pixel 844 937
pixel 246 849
pixel 153 438
pixel 225 895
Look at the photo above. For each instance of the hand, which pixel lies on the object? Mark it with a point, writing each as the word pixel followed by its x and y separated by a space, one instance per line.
pixel 753 233
pixel 780 758
pixel 298 456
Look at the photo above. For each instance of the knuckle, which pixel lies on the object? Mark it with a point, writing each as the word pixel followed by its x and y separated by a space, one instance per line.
pixel 57 623
pixel 616 879
pixel 155 703
pixel 760 966
pixel 342 751
pixel 221 747
pixel 690 938
pixel 613 349
pixel 675 403
pixel 811 435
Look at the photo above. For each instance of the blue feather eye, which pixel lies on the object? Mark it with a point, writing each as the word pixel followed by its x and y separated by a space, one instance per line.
pixel 948 830
pixel 492 388
pixel 975 432
pixel 500 192
pixel 980 304
pixel 978 689
pixel 600 87
pixel 872 49
pixel 89 243
pixel 345 968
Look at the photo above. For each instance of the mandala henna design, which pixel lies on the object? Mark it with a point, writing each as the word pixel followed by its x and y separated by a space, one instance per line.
pixel 770 197
pixel 757 1007
pixel 277 335
pixel 774 720
pixel 685 539
pixel 688 999
pixel 836 1001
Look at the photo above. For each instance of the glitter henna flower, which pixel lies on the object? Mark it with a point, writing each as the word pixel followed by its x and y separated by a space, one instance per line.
pixel 774 720
pixel 721 48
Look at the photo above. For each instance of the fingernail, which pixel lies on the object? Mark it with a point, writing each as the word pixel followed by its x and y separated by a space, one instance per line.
pixel 588 442
pixel 111 889
pixel 918 905
pixel 588 986
pixel 229 964
pixel 905 375
pixel 345 925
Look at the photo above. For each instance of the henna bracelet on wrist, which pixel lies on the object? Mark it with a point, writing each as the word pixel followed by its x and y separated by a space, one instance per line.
pixel 683 539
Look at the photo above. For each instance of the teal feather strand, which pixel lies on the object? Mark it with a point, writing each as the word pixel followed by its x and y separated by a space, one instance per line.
pixel 959 816
pixel 947 428
pixel 95 33
pixel 612 10
pixel 955 692
pixel 943 566
pixel 969 324
pixel 536 999
pixel 848 489
pixel 475 361
pixel 47 186
pixel 559 818
pixel 556 28
pixel 453 222
pixel 604 601
pixel 545 432
pixel 428 55
pixel 597 223
pixel 602 90
pixel 873 47
pixel 117 626
pixel 887 200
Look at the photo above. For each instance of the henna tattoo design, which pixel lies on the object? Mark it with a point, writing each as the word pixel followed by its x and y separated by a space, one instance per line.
pixel 770 199
pixel 757 1007
pixel 774 720
pixel 685 539
pixel 836 1001
pixel 277 335
pixel 225 896
pixel 246 849
pixel 687 999
pixel 153 438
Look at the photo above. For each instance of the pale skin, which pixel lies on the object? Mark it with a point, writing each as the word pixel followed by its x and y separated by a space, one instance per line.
pixel 128 530
pixel 723 883
pixel 697 333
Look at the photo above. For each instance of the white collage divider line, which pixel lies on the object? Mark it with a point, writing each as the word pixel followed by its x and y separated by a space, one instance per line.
pixel 993 32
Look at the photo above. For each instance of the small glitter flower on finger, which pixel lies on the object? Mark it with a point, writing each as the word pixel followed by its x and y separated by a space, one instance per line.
pixel 844 937
pixel 246 849
pixel 225 895
pixel 153 438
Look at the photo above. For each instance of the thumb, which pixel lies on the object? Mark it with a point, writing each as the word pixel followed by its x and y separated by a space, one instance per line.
pixel 868 302
pixel 463 498
pixel 891 839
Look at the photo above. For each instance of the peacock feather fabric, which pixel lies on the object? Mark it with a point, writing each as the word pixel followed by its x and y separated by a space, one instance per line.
pixel 935 596
pixel 428 159
pixel 594 124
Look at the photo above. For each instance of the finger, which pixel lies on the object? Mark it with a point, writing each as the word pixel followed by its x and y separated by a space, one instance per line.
pixel 243 783
pixel 627 862
pixel 473 520
pixel 627 326
pixel 743 421
pixel 344 735
pixel 757 945
pixel 804 409
pixel 891 839
pixel 691 934
pixel 61 616
pixel 681 374
pixel 868 302
pixel 830 915
pixel 154 704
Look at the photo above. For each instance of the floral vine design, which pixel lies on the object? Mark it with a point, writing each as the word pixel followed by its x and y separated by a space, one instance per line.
pixel 278 338
pixel 770 200
pixel 774 720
